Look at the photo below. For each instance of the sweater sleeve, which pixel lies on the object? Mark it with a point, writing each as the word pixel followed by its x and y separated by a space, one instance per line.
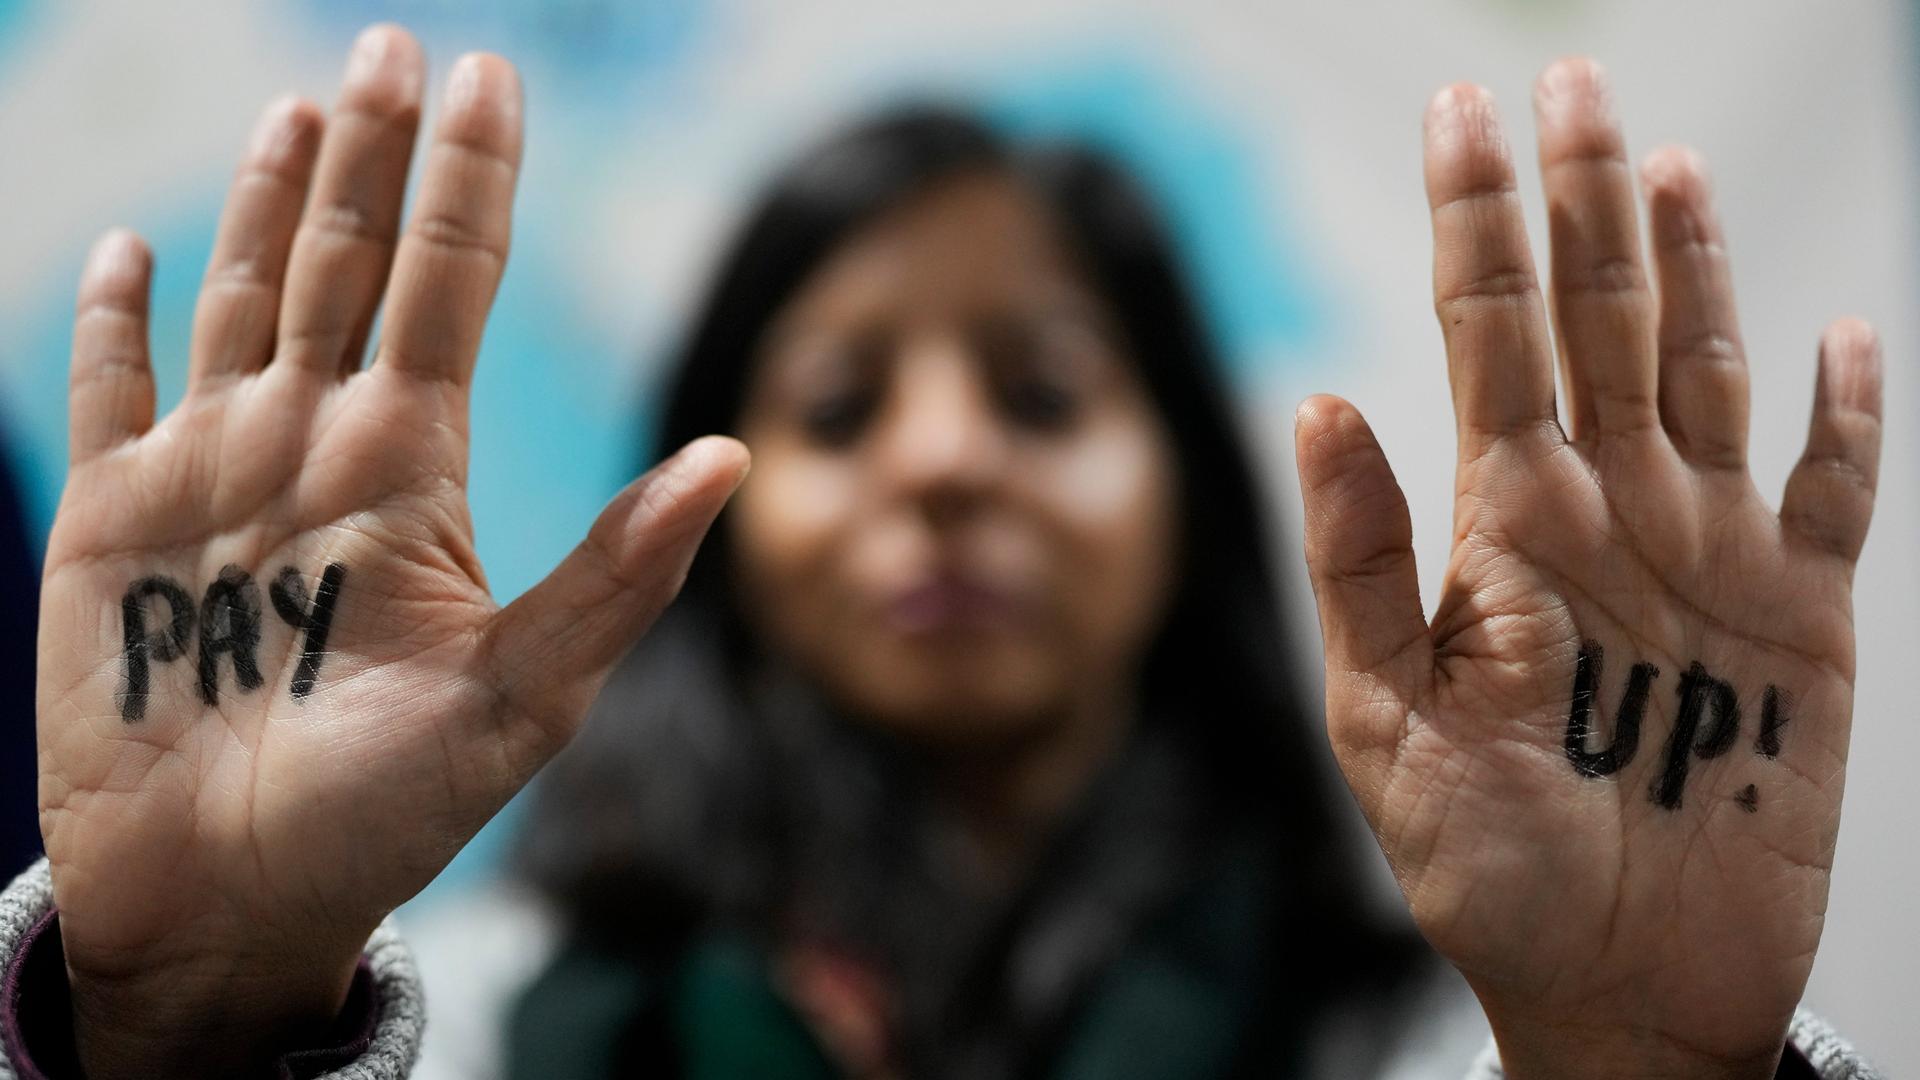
pixel 376 1037
pixel 1814 1051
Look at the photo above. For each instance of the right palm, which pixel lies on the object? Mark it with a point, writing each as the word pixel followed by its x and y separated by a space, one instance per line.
pixel 263 835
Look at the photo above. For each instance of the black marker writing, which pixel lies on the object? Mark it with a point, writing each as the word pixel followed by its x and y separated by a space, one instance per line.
pixel 229 624
pixel 1706 725
pixel 289 594
pixel 1626 724
pixel 1726 720
pixel 1698 690
pixel 1773 717
pixel 165 644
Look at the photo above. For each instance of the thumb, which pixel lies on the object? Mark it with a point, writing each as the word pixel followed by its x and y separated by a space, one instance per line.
pixel 549 651
pixel 1360 559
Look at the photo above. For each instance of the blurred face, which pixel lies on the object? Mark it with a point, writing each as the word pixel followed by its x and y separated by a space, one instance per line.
pixel 960 518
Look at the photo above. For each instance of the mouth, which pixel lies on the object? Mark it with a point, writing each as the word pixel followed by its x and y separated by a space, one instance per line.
pixel 948 602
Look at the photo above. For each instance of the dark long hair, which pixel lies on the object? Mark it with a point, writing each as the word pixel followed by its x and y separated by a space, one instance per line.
pixel 679 799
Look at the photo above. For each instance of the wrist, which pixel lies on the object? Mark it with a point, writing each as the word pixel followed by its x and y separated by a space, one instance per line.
pixel 1537 1051
pixel 191 1022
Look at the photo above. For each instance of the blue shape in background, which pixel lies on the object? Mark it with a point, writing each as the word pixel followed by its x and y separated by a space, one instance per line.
pixel 1257 294
pixel 592 52
pixel 14 21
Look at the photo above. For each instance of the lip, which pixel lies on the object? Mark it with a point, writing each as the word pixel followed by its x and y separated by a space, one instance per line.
pixel 947 602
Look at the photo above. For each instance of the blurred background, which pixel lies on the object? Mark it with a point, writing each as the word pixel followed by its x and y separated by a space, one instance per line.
pixel 1284 138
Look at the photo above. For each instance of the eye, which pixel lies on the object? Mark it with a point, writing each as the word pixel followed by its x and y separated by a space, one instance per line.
pixel 829 384
pixel 1038 404
pixel 1039 372
pixel 835 421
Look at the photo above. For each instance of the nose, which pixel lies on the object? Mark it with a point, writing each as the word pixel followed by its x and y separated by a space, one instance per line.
pixel 942 443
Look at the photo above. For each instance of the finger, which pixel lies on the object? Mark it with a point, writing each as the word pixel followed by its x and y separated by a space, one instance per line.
pixel 233 323
pixel 344 246
pixel 1484 287
pixel 1359 541
pixel 455 248
pixel 1703 366
pixel 1829 497
pixel 1602 306
pixel 550 650
pixel 110 393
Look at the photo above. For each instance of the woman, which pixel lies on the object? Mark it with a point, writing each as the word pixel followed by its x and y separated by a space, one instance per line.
pixel 931 711
pixel 275 697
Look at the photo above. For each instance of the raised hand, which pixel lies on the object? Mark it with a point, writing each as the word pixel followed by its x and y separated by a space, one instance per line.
pixel 1607 775
pixel 275 697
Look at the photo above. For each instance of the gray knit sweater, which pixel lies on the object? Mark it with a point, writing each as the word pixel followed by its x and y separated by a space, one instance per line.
pixel 401 1012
